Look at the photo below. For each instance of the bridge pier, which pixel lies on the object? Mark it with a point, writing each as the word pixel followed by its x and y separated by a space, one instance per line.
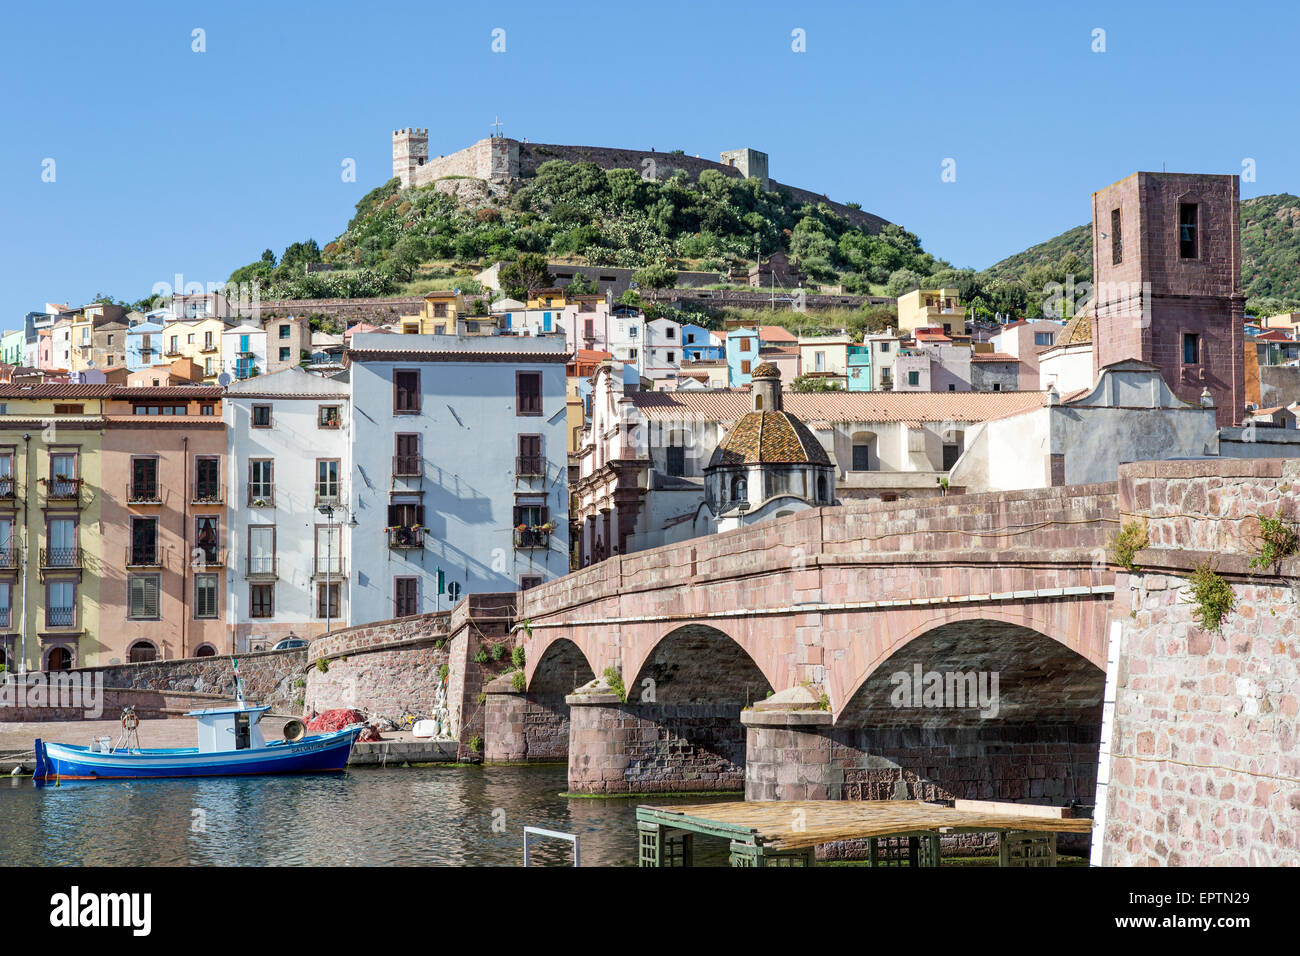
pixel 618 747
pixel 788 750
pixel 523 727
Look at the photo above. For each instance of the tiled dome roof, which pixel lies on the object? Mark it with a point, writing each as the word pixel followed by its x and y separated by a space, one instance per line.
pixel 769 438
pixel 1078 331
pixel 766 370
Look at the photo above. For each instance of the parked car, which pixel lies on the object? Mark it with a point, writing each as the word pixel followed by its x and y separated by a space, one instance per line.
pixel 289 643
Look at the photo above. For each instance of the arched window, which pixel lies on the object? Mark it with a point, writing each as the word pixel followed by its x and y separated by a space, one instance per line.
pixel 821 488
pixel 739 489
pixel 59 659
pixel 206 650
pixel 141 651
pixel 758 403
pixel 864 452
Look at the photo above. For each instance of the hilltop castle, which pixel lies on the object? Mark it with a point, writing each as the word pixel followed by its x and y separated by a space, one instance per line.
pixel 500 160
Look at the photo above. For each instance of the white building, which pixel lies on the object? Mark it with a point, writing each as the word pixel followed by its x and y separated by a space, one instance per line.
pixel 288 571
pixel 243 351
pixel 661 353
pixel 459 468
pixel 627 331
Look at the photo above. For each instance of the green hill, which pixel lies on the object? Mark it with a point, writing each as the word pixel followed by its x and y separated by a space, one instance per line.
pixel 412 239
pixel 1270 266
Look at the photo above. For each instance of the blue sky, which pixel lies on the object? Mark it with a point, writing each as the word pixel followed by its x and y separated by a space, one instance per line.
pixel 170 161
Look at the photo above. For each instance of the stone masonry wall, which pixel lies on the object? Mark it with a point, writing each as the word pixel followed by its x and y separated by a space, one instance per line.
pixel 525 728
pixel 652 748
pixel 270 677
pixel 1205 746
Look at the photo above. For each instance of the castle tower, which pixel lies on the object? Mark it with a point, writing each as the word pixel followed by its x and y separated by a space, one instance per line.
pixel 410 149
pixel 750 162
pixel 1166 264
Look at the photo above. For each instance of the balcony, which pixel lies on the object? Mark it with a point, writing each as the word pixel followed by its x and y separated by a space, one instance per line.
pixel 208 494
pixel 11 557
pixel 143 493
pixel 333 567
pixel 328 495
pixel 261 494
pixel 60 558
pixel 6 616
pixel 406 539
pixel 407 466
pixel 207 349
pixel 8 489
pixel 62 489
pixel 529 539
pixel 207 557
pixel 144 556
pixel 62 618
pixel 261 567
pixel 530 466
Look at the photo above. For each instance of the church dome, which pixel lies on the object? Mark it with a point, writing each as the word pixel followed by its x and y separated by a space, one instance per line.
pixel 769 438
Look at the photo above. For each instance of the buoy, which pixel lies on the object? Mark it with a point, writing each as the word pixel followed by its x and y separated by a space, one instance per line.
pixel 295 730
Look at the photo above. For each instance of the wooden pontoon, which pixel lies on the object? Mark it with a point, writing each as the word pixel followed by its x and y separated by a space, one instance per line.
pixel 786 833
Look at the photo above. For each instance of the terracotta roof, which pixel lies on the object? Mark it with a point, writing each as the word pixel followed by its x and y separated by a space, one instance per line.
pixel 83 390
pixel 993 357
pixel 591 355
pixel 1274 335
pixel 731 404
pixel 766 370
pixel 775 333
pixel 776 438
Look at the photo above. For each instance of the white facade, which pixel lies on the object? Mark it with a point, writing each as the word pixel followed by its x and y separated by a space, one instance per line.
pixel 243 348
pixel 627 332
pixel 289 435
pixel 661 355
pixel 458 441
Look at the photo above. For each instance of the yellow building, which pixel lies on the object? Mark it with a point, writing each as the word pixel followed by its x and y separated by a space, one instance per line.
pixel 51 559
pixel 439 315
pixel 932 308
pixel 548 299
pixel 198 340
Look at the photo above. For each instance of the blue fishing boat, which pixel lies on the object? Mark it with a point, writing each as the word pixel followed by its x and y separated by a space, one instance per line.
pixel 230 744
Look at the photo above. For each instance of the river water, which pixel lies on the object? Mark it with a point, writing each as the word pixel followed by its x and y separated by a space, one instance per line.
pixel 451 815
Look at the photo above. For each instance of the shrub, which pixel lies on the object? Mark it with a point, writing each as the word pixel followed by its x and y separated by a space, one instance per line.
pixel 1127 542
pixel 443 671
pixel 615 681
pixel 518 681
pixel 517 656
pixel 476 744
pixel 1212 596
pixel 322 665
pixel 1278 539
pixel 481 657
pixel 498 651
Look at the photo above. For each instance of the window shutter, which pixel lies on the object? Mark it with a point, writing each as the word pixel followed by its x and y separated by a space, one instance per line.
pixel 419 515
pixel 392 515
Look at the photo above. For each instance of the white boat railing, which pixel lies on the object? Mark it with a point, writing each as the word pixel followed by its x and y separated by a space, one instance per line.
pixel 554 835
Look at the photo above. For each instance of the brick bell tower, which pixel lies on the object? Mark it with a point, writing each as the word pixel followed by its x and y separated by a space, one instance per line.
pixel 1166 264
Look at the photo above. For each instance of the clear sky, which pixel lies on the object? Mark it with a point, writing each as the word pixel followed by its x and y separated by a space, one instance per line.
pixel 172 161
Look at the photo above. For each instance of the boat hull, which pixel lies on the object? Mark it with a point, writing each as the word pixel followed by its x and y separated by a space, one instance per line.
pixel 323 753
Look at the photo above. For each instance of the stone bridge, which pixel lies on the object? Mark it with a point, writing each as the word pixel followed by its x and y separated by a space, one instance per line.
pixel 767 657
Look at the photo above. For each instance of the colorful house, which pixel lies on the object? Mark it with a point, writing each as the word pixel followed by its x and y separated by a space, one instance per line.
pixel 699 343
pixel 742 355
pixel 438 316
pixel 144 345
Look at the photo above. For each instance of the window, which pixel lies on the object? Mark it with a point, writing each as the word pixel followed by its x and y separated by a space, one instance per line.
pixel 141 652
pixel 1187 238
pixel 284 331
pixel 261 416
pixel 440 310
pixel 913 378
pixel 529 581
pixel 744 367
pixel 175 345
pixel 406 596
pixel 144 479
pixel 1044 338
pixel 670 332
pixel 676 460
pixel 672 358
pixel 207 537
pixel 819 361
pixel 207 341
pixel 329 549
pixel 406 392
pixel 144 590
pixel 328 416
pixel 144 542
pixel 530 521
pixel 951 452
pixel 528 393
pixel 327 478
pixel 406 454
pixel 884 346
pixel 1191 348
pixel 1116 239
pixel 327 599
pixel 207 409
pixel 6 608
pixel 61 604
pixel 261 600
pixel 61 538
pixel 530 460
pixel 861 456
pixel 997 387
pixel 261 549
pixel 284 355
pixel 261 480
pixel 205 596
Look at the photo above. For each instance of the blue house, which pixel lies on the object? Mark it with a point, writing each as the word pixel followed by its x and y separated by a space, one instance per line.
pixel 697 343
pixel 859 370
pixel 144 346
pixel 742 355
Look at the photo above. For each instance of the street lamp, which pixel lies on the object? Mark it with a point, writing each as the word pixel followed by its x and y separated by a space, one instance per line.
pixel 328 511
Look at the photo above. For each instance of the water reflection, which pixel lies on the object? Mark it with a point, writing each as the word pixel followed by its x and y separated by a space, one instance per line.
pixel 447 815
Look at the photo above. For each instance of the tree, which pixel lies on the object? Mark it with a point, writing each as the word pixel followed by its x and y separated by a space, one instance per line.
pixel 406 256
pixel 655 277
pixel 581 285
pixel 526 275
pixel 902 281
pixel 815 383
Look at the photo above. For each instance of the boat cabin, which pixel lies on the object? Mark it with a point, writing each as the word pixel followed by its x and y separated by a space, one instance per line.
pixel 223 729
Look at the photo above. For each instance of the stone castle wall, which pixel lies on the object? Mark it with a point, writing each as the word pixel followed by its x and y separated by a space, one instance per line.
pixel 1205 748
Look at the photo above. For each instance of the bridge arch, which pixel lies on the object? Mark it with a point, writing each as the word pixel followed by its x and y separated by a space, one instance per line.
pixel 698 664
pixel 562 667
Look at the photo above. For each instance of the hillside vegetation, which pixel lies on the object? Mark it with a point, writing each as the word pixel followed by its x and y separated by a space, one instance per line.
pixel 586 214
